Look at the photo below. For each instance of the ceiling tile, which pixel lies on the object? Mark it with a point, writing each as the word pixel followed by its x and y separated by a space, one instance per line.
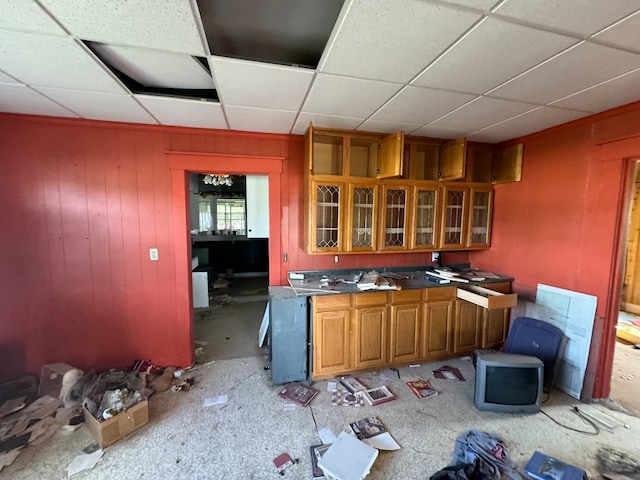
pixel 583 17
pixel 440 132
pixel 477 4
pixel 576 69
pixel 539 119
pixel 326 121
pixel 393 41
pixel 616 92
pixel 184 113
pixel 161 24
pixel 483 112
pixel 27 15
pixel 4 78
pixel 421 105
pixel 336 95
pixel 21 99
pixel 52 62
pixel 100 106
pixel 383 126
pixel 492 53
pixel 259 120
pixel 624 34
pixel 255 84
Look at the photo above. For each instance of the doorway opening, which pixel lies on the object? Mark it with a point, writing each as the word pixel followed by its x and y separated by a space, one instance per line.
pixel 625 375
pixel 230 254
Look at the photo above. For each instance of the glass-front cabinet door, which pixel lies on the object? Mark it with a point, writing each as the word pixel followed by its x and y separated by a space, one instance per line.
pixel 395 200
pixel 454 217
pixel 424 218
pixel 361 217
pixel 325 226
pixel 480 217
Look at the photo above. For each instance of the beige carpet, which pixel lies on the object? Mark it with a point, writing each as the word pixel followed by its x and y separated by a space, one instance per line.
pixel 239 439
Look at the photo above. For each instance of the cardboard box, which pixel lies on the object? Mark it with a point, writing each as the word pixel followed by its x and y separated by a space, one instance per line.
pixel 113 429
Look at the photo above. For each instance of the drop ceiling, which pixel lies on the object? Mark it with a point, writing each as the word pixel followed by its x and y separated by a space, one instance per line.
pixel 485 69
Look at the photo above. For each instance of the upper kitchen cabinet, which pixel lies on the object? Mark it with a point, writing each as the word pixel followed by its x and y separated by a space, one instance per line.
pixel 324 230
pixel 353 154
pixel 431 159
pixel 424 217
pixel 490 164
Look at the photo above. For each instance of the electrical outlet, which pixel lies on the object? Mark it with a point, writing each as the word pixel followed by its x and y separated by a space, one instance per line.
pixel 335 259
pixel 435 256
pixel 153 254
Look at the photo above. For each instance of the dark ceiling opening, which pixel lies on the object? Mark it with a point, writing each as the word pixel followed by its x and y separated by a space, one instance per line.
pixel 285 32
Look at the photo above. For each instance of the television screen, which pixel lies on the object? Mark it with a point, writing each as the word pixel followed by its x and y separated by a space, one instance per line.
pixel 507 382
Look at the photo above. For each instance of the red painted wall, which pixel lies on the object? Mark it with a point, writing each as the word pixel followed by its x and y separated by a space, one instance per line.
pixel 82 202
pixel 559 225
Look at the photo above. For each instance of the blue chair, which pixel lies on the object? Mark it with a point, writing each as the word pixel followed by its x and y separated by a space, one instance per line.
pixel 536 338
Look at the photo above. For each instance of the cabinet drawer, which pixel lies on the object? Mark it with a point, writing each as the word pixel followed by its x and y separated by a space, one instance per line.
pixel 367 299
pixel 440 293
pixel 502 287
pixel 406 296
pixel 486 298
pixel 331 302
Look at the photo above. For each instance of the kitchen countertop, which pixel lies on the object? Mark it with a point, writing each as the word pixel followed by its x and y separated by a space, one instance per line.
pixel 414 277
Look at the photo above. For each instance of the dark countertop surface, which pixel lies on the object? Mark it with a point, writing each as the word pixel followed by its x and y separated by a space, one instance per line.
pixel 413 278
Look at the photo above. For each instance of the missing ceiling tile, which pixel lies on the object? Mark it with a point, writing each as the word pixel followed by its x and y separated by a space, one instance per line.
pixel 158 72
pixel 285 32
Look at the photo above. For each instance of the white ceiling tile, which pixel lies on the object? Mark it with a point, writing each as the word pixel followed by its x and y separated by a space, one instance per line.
pixel 161 24
pixel 255 84
pixel 421 105
pixel 625 34
pixel 52 62
pixel 383 126
pixel 326 121
pixel 336 95
pixel 27 15
pixel 483 112
pixel 393 41
pixel 184 113
pixel 533 121
pixel 576 69
pixel 441 132
pixel 259 120
pixel 616 92
pixel 492 53
pixel 21 99
pixel 99 106
pixel 4 78
pixel 477 4
pixel 583 17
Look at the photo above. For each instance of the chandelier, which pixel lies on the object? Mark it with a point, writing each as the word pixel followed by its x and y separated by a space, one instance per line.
pixel 218 179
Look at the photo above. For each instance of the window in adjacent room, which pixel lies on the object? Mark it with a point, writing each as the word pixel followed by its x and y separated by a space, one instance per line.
pixel 231 216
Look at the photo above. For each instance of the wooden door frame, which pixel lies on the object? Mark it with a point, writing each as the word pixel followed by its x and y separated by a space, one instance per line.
pixel 183 163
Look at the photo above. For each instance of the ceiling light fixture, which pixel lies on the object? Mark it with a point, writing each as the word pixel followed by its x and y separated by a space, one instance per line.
pixel 218 179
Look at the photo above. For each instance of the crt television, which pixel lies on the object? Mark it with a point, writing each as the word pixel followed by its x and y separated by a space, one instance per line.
pixel 507 382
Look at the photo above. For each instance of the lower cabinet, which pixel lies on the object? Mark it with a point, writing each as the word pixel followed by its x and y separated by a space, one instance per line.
pixel 369 330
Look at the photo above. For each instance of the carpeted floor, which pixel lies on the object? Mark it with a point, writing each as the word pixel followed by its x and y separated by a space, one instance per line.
pixel 239 439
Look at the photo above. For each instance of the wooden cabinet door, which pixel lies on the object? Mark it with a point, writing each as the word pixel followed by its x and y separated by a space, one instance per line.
pixel 370 336
pixel 424 218
pixel 394 217
pixel 453 162
pixel 467 327
pixel 480 209
pixel 331 339
pixel 390 156
pixel 362 218
pixel 507 164
pixel 325 220
pixel 436 333
pixel 455 217
pixel 405 331
pixel 495 327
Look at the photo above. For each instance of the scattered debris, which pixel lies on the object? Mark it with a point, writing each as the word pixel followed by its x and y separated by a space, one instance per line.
pixel 327 436
pixel 448 373
pixel 220 283
pixel 85 461
pixel 299 393
pixel 372 431
pixel 163 382
pixel 183 386
pixel 219 400
pixel 347 458
pixel 284 461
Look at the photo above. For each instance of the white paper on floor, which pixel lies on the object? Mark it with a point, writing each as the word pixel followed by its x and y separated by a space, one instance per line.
pixel 327 436
pixel 220 399
pixel 84 462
